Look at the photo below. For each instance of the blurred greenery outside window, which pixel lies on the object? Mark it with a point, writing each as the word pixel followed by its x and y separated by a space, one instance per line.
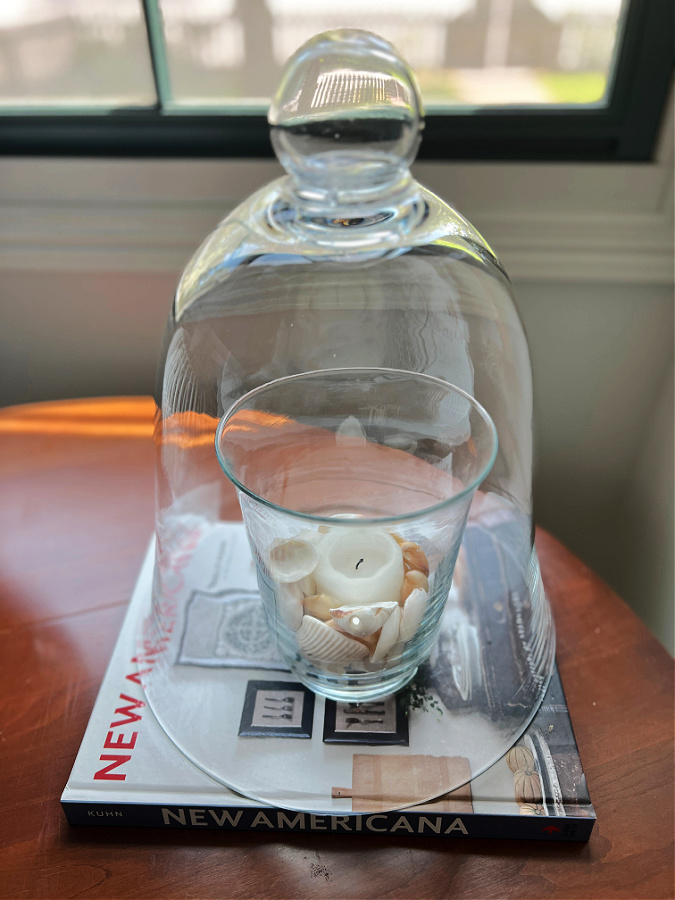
pixel 500 79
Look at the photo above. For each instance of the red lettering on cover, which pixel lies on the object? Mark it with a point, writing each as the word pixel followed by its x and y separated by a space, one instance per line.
pixel 105 774
pixel 165 612
pixel 120 743
pixel 128 711
pixel 136 677
pixel 147 657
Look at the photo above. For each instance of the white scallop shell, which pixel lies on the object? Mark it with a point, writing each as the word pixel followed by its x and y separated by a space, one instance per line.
pixel 289 604
pixel 307 584
pixel 362 620
pixel 413 613
pixel 323 643
pixel 292 560
pixel 388 636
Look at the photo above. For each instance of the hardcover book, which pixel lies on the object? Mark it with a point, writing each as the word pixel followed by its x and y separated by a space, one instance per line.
pixel 129 772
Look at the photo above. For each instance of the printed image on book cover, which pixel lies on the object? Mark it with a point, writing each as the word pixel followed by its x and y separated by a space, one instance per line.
pixel 213 680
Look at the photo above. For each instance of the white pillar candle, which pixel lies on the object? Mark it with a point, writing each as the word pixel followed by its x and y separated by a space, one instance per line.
pixel 359 567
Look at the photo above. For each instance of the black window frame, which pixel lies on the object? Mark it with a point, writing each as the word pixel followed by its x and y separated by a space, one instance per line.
pixel 624 129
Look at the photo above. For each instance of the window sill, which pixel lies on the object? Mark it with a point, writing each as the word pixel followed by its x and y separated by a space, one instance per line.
pixel 555 221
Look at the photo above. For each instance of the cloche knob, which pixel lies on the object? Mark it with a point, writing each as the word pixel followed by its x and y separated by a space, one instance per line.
pixel 347 116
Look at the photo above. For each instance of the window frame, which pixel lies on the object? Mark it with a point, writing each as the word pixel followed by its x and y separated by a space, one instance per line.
pixel 624 129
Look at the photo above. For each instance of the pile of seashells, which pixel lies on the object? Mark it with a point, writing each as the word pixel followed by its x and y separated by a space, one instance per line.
pixel 362 622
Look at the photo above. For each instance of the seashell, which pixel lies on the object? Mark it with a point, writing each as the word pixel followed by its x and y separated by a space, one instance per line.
pixel 320 605
pixel 388 636
pixel 413 613
pixel 362 621
pixel 289 599
pixel 370 641
pixel 323 643
pixel 292 560
pixel 414 557
pixel 413 580
pixel 307 585
pixel 312 537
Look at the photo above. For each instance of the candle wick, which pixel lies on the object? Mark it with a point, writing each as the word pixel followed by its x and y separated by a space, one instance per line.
pixel 359 563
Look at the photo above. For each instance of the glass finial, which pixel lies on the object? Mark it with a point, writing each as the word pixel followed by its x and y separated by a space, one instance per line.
pixel 347 115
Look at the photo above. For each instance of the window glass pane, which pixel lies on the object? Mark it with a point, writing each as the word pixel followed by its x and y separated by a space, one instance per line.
pixel 466 52
pixel 75 52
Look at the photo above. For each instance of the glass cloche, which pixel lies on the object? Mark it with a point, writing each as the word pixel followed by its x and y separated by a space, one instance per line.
pixel 344 262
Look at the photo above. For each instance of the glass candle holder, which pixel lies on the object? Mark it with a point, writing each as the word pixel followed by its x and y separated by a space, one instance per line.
pixel 355 485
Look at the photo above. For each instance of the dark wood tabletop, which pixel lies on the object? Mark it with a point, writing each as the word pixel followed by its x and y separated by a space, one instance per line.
pixel 76 513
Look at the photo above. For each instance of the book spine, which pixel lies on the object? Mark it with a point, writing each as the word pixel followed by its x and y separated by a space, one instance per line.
pixel 266 819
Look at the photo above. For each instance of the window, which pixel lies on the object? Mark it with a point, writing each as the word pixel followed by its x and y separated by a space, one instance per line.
pixel 501 79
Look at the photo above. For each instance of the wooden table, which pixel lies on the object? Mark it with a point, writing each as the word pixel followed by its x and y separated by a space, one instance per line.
pixel 76 511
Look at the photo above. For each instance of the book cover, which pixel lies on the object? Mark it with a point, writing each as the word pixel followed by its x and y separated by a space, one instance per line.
pixel 129 772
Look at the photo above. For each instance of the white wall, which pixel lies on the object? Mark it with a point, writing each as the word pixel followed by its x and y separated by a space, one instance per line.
pixel 90 251
pixel 602 358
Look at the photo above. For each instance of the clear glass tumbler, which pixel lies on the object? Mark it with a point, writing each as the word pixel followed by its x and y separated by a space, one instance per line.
pixel 355 485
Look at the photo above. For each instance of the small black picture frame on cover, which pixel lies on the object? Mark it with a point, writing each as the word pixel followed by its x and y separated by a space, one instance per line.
pixel 375 722
pixel 277 709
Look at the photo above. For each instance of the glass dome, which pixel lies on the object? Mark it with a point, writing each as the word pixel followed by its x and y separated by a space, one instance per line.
pixel 346 261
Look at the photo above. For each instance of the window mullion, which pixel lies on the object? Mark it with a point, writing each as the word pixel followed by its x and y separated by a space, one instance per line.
pixel 157 46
